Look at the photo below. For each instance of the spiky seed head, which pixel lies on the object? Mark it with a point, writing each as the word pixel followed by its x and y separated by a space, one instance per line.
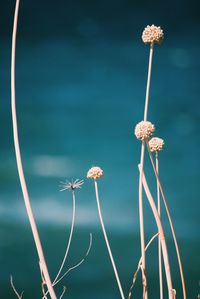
pixel 94 173
pixel 156 144
pixel 67 185
pixel 152 35
pixel 144 130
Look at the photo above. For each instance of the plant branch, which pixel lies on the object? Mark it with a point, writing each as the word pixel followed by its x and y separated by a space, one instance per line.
pixel 139 266
pixel 70 237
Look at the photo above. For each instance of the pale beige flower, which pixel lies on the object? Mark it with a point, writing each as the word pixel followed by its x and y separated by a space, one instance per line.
pixel 144 130
pixel 156 144
pixel 94 173
pixel 152 35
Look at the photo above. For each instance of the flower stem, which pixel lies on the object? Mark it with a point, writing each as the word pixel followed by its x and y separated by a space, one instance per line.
pixel 107 242
pixel 171 224
pixel 142 238
pixel 148 82
pixel 162 237
pixel 70 236
pixel 19 162
pixel 159 243
pixel 141 217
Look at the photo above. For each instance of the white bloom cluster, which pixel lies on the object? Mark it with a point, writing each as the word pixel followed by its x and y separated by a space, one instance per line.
pixel 156 144
pixel 94 173
pixel 144 130
pixel 152 34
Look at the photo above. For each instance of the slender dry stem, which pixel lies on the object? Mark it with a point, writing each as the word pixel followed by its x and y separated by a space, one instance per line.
pixel 70 236
pixel 148 82
pixel 19 161
pixel 171 224
pixel 141 216
pixel 159 243
pixel 162 237
pixel 19 296
pixel 75 266
pixel 107 242
pixel 139 266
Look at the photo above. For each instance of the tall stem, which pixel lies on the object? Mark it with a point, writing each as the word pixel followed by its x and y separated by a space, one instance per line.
pixel 106 240
pixel 70 236
pixel 159 243
pixel 19 162
pixel 148 82
pixel 141 219
pixel 162 237
pixel 142 238
pixel 171 224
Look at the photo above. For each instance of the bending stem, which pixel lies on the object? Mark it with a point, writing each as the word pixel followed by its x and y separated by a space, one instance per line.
pixel 107 242
pixel 70 236
pixel 19 162
pixel 171 225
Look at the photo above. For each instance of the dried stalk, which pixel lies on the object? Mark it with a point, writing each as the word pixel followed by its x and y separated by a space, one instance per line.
pixel 141 216
pixel 107 242
pixel 159 243
pixel 162 237
pixel 171 224
pixel 70 236
pixel 139 266
pixel 19 162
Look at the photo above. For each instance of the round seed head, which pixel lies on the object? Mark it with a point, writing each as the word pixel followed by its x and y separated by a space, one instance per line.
pixel 152 35
pixel 144 130
pixel 156 144
pixel 94 173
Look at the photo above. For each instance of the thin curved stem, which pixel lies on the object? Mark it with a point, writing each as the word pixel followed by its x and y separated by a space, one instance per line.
pixel 70 236
pixel 19 296
pixel 107 242
pixel 162 237
pixel 75 266
pixel 171 224
pixel 159 243
pixel 19 161
pixel 139 265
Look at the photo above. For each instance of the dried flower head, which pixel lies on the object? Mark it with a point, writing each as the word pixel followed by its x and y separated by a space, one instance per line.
pixel 156 144
pixel 67 185
pixel 94 173
pixel 144 130
pixel 152 35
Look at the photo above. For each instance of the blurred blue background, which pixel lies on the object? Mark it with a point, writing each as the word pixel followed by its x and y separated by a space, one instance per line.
pixel 81 76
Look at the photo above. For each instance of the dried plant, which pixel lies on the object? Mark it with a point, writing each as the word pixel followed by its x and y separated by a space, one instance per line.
pixel 95 173
pixel 144 131
pixel 46 280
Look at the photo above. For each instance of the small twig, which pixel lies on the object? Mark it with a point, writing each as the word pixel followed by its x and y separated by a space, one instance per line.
pixel 78 264
pixel 19 296
pixel 75 266
pixel 139 266
pixel 63 292
pixel 70 236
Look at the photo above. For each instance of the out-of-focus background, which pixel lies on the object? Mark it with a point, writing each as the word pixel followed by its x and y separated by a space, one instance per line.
pixel 80 82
